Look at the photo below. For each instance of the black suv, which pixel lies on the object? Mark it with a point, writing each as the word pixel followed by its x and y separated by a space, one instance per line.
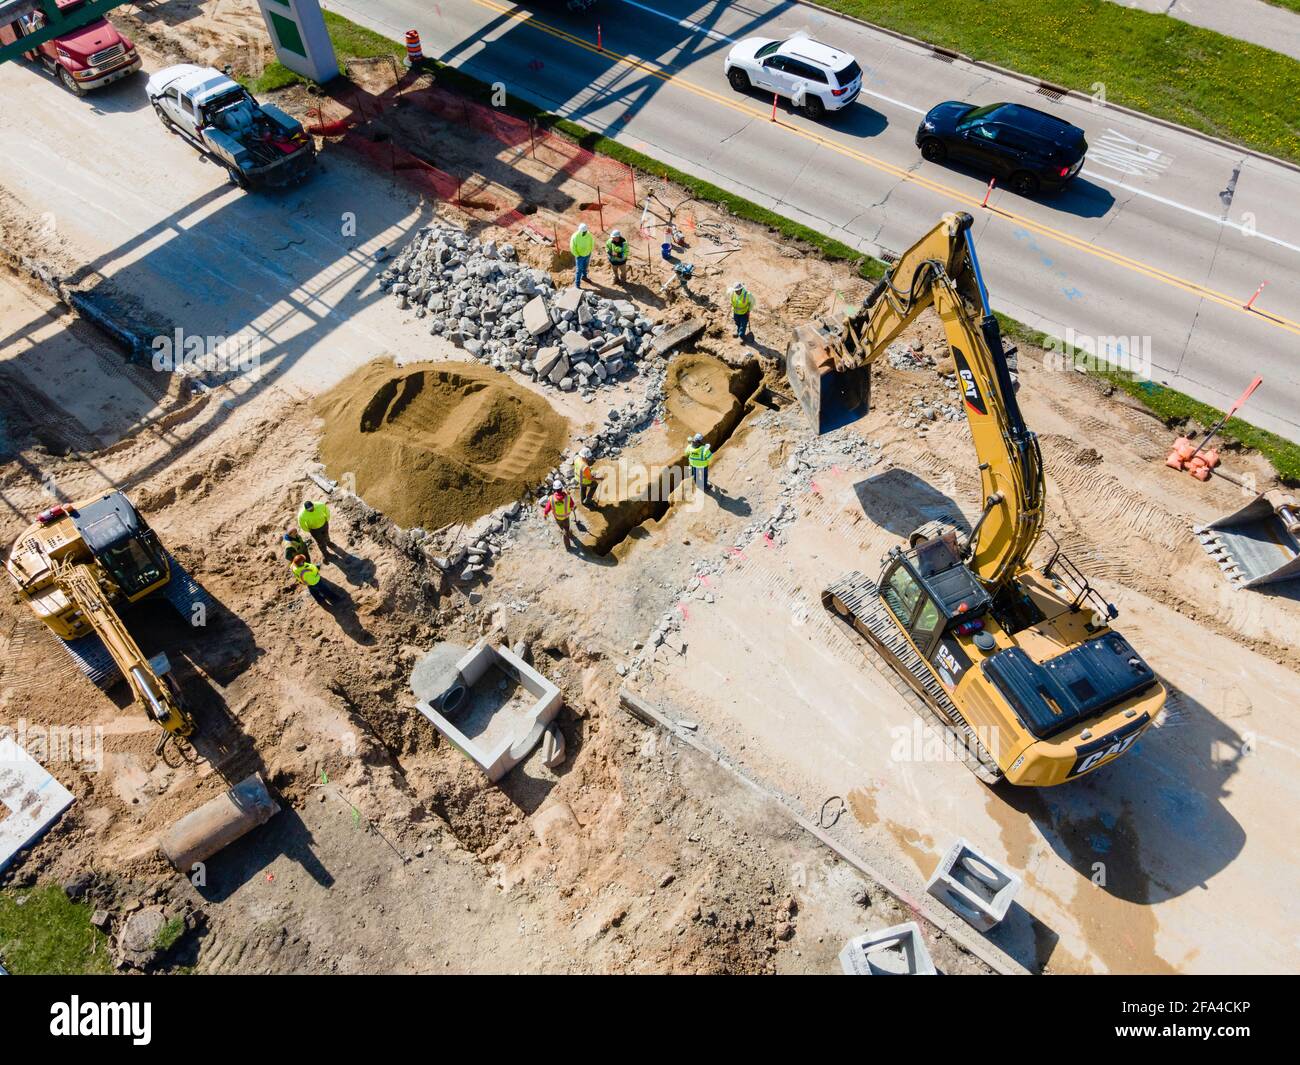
pixel 1032 150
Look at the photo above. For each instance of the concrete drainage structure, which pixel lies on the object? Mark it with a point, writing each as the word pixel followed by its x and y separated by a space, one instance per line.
pixel 896 951
pixel 973 886
pixel 488 702
pixel 30 799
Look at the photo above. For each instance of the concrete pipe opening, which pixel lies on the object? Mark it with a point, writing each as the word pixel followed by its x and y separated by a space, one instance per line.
pixel 452 699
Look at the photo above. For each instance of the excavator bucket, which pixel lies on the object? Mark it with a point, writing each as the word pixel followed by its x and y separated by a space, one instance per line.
pixel 1259 544
pixel 831 395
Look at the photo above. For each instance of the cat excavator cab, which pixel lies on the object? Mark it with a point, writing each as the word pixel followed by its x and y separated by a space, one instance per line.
pixel 78 566
pixel 1017 662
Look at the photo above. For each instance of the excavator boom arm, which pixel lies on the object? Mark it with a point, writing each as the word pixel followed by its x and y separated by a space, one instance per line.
pixel 152 690
pixel 828 365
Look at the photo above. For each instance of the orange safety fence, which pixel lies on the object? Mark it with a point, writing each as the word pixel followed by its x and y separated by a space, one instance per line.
pixel 611 202
pixel 613 180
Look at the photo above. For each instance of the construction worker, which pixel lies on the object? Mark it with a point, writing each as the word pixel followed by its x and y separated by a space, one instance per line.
pixel 581 244
pixel 315 519
pixel 741 304
pixel 308 575
pixel 560 505
pixel 699 454
pixel 295 543
pixel 585 476
pixel 616 248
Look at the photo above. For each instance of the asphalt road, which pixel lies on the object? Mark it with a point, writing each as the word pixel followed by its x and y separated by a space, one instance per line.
pixel 1152 252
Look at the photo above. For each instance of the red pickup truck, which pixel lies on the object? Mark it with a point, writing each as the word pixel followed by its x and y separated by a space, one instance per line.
pixel 83 59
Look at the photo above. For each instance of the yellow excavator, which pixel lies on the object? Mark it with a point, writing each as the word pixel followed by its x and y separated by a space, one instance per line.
pixel 77 566
pixel 1016 661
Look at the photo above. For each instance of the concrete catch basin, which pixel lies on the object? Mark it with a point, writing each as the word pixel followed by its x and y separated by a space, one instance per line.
pixel 490 703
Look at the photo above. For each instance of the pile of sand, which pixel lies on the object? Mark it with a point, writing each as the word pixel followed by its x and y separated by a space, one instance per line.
pixel 435 444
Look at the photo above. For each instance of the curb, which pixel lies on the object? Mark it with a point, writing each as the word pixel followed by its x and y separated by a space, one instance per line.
pixel 133 342
pixel 648 714
pixel 1072 94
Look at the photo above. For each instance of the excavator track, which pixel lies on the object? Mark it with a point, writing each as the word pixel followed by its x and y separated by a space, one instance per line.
pixel 93 660
pixel 855 600
pixel 184 593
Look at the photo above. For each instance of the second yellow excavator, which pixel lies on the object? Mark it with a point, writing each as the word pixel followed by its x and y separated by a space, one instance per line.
pixel 1017 661
pixel 77 566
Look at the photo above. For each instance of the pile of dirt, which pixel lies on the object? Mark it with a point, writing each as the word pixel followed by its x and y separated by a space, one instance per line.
pixel 435 444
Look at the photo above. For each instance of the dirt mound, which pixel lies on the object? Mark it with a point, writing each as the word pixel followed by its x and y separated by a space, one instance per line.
pixel 433 444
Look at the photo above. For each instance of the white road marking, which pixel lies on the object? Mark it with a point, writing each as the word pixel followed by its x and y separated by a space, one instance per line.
pixel 1216 219
pixel 1123 153
pixel 685 24
pixel 896 103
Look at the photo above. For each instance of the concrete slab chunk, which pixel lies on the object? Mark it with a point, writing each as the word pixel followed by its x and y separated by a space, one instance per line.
pixel 575 343
pixel 546 360
pixel 559 371
pixel 678 335
pixel 537 316
pixel 30 799
pixel 569 299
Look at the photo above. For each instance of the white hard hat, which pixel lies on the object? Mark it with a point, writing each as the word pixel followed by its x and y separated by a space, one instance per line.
pixel 736 286
pixel 698 438
pixel 585 452
pixel 582 227
pixel 614 233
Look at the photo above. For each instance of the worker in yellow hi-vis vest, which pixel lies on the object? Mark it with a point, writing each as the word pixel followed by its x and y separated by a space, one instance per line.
pixel 581 244
pixel 616 248
pixel 741 304
pixel 698 455
pixel 314 518
pixel 559 505
pixel 308 574
pixel 586 477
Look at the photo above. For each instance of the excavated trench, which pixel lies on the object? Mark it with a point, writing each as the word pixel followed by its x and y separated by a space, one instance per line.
pixel 703 395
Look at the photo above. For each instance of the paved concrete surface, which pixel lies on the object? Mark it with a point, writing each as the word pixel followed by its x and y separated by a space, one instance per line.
pixel 1166 860
pixel 1165 236
pixel 184 249
pixel 1255 21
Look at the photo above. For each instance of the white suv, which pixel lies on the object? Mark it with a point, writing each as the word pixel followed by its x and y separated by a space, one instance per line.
pixel 815 76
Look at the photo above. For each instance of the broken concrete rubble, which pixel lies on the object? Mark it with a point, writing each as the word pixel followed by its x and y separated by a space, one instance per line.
pixel 507 315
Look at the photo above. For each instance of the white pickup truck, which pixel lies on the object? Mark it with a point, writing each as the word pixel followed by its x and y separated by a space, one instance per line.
pixel 258 144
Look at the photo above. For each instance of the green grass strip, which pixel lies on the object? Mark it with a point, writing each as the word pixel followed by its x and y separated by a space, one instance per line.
pixel 350 42
pixel 42 932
